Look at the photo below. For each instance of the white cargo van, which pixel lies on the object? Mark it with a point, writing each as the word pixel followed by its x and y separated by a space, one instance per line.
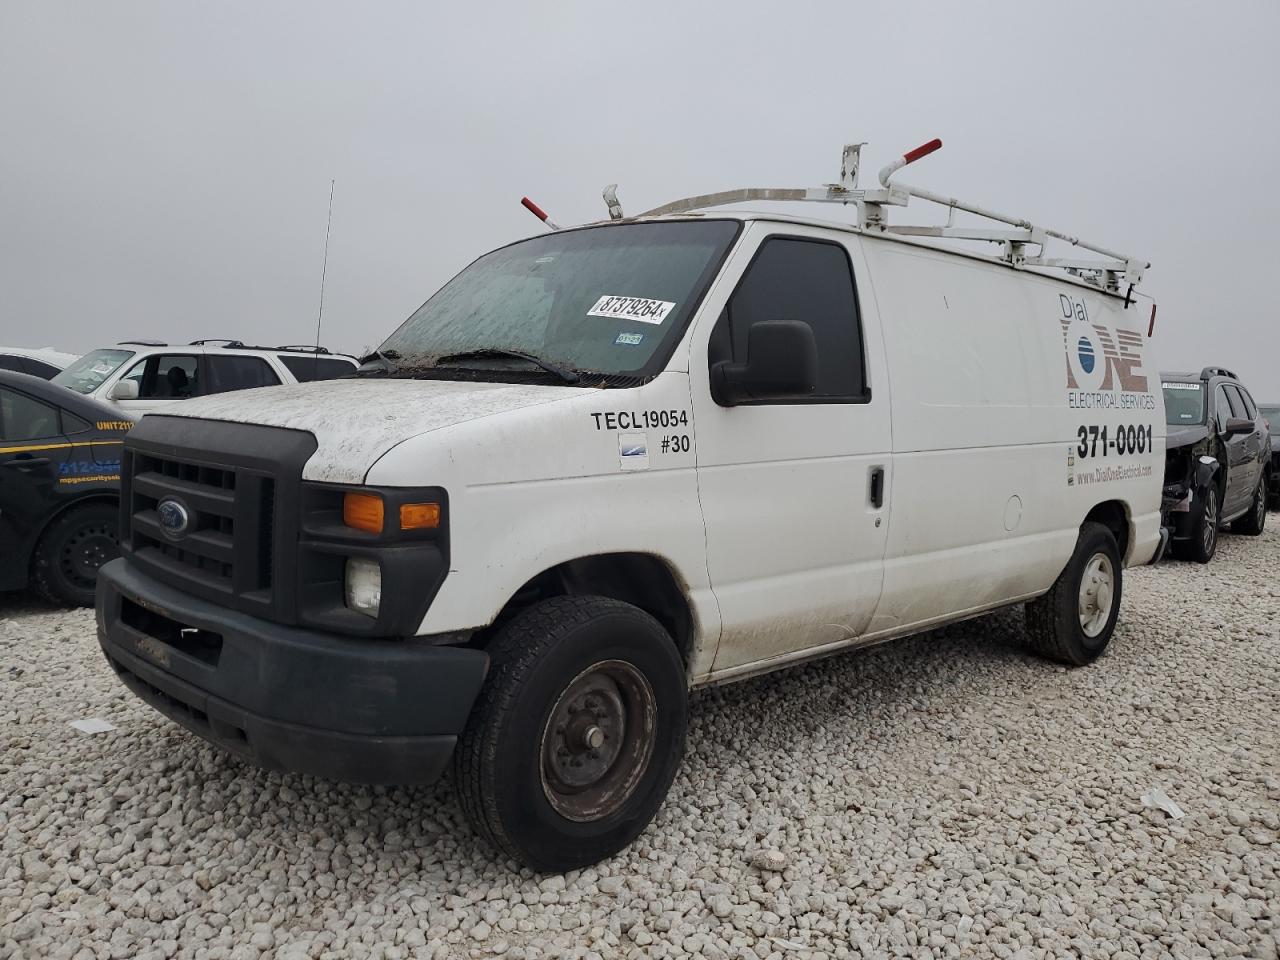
pixel 606 464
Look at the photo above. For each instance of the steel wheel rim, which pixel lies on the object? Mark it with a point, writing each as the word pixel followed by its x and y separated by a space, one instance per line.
pixel 1097 594
pixel 598 740
pixel 84 553
pixel 1210 534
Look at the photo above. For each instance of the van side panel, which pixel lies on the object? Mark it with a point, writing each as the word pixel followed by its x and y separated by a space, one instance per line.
pixel 989 489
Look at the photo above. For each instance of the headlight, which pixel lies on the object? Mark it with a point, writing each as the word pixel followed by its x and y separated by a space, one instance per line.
pixel 364 585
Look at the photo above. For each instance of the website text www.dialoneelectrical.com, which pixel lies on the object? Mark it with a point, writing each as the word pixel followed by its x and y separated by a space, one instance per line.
pixel 1106 474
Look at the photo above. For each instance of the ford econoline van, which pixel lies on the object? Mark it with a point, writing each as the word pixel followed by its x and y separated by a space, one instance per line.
pixel 607 464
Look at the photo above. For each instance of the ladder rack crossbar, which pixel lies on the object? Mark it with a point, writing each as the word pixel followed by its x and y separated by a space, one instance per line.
pixel 1107 273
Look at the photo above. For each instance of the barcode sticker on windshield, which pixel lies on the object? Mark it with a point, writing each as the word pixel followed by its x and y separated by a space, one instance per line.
pixel 1181 386
pixel 631 308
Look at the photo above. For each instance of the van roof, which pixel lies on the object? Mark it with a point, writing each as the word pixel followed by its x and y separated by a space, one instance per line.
pixel 773 216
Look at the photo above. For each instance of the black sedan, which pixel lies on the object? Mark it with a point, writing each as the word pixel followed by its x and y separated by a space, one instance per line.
pixel 59 488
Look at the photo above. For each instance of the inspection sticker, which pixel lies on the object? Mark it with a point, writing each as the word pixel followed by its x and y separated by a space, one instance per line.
pixel 631 338
pixel 633 451
pixel 631 308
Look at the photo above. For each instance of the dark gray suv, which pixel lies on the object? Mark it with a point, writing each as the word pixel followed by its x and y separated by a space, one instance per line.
pixel 1217 461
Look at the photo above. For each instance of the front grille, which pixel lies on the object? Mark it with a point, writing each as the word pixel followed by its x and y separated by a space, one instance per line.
pixel 226 546
pixel 237 487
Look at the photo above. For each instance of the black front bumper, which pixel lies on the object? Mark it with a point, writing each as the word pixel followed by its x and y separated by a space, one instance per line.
pixel 344 708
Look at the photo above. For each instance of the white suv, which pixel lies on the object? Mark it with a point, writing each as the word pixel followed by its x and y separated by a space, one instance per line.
pixel 138 376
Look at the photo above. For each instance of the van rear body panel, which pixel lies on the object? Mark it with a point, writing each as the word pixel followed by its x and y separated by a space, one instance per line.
pixel 989 401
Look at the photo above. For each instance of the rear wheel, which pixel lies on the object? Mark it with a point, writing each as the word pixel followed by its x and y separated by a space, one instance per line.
pixel 70 552
pixel 577 734
pixel 1202 544
pixel 1073 622
pixel 1251 523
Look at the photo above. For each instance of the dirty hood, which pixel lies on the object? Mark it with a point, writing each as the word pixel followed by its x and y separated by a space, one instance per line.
pixel 1185 436
pixel 356 421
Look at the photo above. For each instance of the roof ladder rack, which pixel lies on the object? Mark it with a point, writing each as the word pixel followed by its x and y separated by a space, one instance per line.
pixel 303 348
pixel 1107 270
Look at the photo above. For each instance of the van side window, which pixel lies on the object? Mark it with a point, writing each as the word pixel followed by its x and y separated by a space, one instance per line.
pixel 808 280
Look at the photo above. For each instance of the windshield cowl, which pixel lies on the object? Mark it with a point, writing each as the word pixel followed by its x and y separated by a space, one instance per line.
pixel 483 371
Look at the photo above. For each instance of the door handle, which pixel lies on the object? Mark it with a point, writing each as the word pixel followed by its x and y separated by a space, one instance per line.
pixel 26 463
pixel 875 492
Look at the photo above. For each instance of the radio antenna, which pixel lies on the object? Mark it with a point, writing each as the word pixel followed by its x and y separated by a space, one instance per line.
pixel 324 269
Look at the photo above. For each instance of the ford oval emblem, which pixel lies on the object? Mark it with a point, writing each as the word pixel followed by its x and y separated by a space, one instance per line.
pixel 174 517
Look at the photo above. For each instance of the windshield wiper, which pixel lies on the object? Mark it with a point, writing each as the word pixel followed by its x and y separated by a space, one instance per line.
pixel 565 374
pixel 388 368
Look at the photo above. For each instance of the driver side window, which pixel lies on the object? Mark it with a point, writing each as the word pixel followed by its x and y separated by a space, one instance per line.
pixel 1222 411
pixel 165 377
pixel 808 280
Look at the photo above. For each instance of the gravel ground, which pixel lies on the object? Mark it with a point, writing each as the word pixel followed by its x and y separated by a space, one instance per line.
pixel 944 796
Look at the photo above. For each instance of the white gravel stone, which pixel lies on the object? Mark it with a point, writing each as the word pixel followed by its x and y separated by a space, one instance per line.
pixel 946 796
pixel 772 860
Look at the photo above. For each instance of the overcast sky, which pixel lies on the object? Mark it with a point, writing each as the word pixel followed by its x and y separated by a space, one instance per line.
pixel 165 167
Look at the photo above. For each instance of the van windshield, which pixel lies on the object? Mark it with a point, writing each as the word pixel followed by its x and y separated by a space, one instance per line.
pixel 607 300
pixel 1183 403
pixel 88 373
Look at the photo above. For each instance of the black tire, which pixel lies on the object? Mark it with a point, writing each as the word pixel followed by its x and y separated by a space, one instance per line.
pixel 1252 523
pixel 64 568
pixel 1054 625
pixel 1202 543
pixel 511 757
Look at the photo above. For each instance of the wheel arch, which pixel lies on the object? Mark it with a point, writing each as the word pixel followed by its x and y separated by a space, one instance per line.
pixel 643 580
pixel 1116 517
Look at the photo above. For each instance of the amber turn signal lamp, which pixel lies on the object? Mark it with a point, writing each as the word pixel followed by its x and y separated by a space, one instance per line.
pixel 419 516
pixel 363 511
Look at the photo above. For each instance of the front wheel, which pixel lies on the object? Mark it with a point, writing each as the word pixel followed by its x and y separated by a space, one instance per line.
pixel 1251 523
pixel 1073 622
pixel 1202 544
pixel 577 734
pixel 70 552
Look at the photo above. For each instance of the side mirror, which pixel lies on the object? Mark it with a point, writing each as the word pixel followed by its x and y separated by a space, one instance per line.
pixel 782 363
pixel 1237 426
pixel 125 390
